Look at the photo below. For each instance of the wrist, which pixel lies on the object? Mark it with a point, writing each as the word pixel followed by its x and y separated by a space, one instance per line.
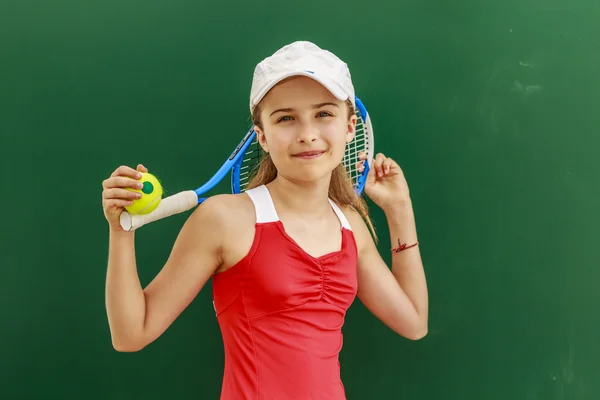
pixel 399 211
pixel 118 231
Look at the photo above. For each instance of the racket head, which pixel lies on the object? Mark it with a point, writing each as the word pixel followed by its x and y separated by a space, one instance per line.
pixel 363 142
pixel 244 170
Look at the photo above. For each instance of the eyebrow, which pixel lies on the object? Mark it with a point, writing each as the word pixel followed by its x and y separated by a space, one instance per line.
pixel 315 106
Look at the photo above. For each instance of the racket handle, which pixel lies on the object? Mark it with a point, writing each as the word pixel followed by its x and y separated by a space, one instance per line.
pixel 168 206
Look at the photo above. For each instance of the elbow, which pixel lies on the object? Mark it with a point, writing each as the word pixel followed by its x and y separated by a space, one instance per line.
pixel 127 349
pixel 416 331
pixel 128 339
pixel 127 346
pixel 417 334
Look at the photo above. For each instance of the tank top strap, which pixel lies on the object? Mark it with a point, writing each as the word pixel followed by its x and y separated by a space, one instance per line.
pixel 340 215
pixel 263 204
pixel 265 208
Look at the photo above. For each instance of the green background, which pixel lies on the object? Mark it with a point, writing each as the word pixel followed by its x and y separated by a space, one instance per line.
pixel 491 108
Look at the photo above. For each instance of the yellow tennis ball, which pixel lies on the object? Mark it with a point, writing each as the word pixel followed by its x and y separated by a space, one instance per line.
pixel 151 195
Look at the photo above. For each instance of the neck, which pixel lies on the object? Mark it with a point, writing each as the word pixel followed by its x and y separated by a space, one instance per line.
pixel 304 198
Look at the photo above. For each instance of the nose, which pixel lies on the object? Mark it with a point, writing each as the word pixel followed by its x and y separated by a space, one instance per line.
pixel 308 133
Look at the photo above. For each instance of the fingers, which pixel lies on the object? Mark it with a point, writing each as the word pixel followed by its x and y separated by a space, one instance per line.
pixel 387 164
pixel 117 191
pixel 121 177
pixel 383 165
pixel 360 165
pixel 117 203
pixel 124 170
pixel 115 199
pixel 378 164
pixel 121 182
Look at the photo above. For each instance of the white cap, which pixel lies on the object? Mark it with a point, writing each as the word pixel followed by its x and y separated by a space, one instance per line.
pixel 304 59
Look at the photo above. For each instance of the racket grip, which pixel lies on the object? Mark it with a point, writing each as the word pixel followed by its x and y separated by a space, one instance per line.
pixel 168 206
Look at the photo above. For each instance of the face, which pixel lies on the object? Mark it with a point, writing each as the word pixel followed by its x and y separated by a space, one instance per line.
pixel 304 129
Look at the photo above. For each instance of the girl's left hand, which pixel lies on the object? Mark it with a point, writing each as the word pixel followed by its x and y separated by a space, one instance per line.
pixel 386 184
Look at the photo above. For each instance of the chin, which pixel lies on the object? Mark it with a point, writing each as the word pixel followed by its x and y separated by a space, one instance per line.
pixel 310 173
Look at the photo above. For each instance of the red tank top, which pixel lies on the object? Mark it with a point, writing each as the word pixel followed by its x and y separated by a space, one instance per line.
pixel 281 312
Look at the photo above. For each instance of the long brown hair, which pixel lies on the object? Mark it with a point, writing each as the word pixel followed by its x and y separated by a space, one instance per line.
pixel 341 188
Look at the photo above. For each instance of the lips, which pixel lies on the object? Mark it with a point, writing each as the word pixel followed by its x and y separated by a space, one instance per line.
pixel 309 154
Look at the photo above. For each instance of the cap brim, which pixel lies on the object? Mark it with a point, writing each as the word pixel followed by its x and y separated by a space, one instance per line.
pixel 327 83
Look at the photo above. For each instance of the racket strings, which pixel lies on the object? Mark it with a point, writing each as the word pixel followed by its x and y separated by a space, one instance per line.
pixel 354 148
pixel 250 163
pixel 359 144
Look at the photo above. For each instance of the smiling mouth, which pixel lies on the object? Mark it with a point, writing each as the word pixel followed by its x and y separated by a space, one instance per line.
pixel 309 154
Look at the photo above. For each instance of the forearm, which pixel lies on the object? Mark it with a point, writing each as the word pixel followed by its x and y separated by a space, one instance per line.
pixel 125 301
pixel 407 266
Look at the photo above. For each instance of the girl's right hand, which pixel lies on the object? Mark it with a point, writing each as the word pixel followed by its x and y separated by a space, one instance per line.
pixel 115 197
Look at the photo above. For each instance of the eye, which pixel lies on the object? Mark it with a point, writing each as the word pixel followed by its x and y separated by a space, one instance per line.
pixel 284 118
pixel 324 114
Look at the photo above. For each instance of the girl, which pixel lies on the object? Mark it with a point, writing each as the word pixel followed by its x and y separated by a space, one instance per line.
pixel 288 256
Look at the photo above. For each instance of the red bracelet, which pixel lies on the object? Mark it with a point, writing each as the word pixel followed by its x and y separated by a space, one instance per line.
pixel 402 247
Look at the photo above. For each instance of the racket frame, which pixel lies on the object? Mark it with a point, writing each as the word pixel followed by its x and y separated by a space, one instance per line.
pixel 232 164
pixel 362 178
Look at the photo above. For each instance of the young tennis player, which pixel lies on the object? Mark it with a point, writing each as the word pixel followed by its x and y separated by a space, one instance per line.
pixel 288 256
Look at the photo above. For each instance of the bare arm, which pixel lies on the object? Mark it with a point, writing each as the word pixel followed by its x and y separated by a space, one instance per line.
pixel 398 297
pixel 138 316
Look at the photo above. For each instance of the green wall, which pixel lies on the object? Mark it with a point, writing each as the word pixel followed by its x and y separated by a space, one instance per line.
pixel 491 108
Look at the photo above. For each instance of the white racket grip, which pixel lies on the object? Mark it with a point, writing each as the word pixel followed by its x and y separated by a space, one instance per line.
pixel 168 206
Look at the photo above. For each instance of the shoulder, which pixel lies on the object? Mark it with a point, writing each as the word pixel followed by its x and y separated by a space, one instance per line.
pixel 227 221
pixel 225 211
pixel 353 217
pixel 361 232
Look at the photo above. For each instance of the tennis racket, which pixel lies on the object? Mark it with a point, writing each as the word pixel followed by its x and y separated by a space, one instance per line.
pixel 244 161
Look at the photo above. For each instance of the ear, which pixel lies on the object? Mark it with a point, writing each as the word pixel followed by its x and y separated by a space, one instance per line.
pixel 351 128
pixel 262 140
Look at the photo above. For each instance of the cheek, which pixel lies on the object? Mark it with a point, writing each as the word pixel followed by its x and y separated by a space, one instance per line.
pixel 336 136
pixel 277 142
